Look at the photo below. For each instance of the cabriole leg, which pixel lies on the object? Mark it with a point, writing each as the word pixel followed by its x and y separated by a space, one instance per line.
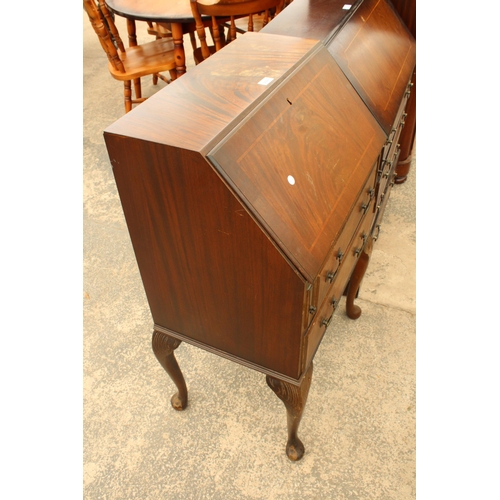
pixel 294 397
pixel 163 347
pixel 352 310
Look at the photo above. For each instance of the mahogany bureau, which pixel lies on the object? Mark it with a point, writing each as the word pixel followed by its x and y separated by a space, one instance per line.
pixel 251 188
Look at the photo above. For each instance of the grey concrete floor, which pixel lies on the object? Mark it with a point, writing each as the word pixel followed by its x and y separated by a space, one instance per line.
pixel 359 424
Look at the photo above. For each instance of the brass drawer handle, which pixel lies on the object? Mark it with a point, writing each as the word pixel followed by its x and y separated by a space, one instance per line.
pixel 390 139
pixel 312 310
pixel 375 237
pixel 326 322
pixel 357 251
pixel 386 162
pixel 330 275
pixel 340 255
pixel 364 206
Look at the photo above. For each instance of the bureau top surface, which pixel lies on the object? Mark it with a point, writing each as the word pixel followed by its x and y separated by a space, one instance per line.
pixel 193 110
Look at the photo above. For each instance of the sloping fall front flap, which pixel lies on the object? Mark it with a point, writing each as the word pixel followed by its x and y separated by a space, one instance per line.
pixel 300 160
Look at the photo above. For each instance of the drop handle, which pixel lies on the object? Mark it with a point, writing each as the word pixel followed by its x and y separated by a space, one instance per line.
pixel 312 310
pixel 334 303
pixel 326 322
pixel 357 252
pixel 340 255
pixel 390 137
pixel 386 162
pixel 330 275
pixel 364 207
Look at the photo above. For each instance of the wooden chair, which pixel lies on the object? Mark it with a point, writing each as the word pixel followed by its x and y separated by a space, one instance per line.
pixel 233 10
pixel 134 62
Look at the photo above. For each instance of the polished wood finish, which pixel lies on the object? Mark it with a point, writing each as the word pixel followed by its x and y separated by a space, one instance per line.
pixel 246 230
pixel 407 10
pixel 306 217
pixel 229 10
pixel 316 19
pixel 377 53
pixel 204 283
pixel 374 48
pixel 295 398
pixel 249 228
pixel 133 63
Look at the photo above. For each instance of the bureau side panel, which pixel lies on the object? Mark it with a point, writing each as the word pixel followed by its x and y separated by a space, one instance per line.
pixel 209 272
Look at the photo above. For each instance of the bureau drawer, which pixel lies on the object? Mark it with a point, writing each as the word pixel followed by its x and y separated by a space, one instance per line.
pixel 364 205
pixel 329 305
pixel 382 204
pixel 399 122
pixel 387 172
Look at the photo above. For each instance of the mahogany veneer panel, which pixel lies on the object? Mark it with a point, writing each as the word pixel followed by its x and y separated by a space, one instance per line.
pixel 378 55
pixel 326 144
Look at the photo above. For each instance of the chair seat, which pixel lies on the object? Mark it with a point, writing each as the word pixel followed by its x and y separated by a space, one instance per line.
pixel 145 59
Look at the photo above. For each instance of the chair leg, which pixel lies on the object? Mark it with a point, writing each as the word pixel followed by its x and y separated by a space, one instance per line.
pixel 127 91
pixel 137 88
